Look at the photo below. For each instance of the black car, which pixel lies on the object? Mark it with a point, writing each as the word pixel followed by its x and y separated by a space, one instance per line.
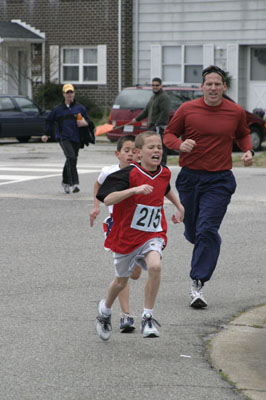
pixel 21 118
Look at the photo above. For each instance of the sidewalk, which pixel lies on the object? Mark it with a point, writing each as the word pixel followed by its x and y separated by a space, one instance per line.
pixel 239 353
pixel 102 138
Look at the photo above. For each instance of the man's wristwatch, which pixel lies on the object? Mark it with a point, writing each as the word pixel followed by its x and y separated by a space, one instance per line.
pixel 252 152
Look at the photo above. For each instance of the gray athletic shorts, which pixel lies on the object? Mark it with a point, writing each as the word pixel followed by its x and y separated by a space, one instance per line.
pixel 125 263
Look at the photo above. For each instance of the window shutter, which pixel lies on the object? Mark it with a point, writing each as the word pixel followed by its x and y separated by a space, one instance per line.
pixel 232 68
pixel 208 55
pixel 54 64
pixel 2 72
pixel 232 60
pixel 156 61
pixel 102 50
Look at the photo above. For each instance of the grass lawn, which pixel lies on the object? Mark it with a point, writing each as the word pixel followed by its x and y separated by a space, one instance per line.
pixel 258 161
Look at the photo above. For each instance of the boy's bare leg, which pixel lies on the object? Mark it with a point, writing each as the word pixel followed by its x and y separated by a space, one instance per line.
pixel 136 273
pixel 123 298
pixel 153 261
pixel 116 286
pixel 103 320
pixel 126 321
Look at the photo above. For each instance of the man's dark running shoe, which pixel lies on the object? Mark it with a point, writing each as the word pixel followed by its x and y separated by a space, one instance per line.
pixel 148 329
pixel 103 324
pixel 76 189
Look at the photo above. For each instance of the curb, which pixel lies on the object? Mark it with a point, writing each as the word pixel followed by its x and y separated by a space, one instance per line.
pixel 239 352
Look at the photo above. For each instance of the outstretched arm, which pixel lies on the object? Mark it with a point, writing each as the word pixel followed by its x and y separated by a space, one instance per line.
pixel 96 208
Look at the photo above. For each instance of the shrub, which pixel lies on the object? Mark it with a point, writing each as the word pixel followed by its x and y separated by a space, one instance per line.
pixel 49 94
pixel 93 109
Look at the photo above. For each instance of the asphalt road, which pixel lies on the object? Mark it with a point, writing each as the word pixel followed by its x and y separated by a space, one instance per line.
pixel 54 270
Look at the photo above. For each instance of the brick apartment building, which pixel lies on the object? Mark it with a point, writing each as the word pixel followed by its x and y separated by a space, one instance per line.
pixel 84 42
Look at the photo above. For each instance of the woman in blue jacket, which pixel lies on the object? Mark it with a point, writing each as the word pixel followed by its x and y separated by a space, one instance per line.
pixel 69 117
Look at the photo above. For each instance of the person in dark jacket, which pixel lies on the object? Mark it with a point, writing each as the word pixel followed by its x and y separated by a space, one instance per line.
pixel 157 110
pixel 69 117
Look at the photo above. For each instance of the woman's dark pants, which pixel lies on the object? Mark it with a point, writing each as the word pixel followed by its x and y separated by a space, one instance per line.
pixel 71 151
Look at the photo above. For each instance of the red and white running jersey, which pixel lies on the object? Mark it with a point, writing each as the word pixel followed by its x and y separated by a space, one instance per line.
pixel 140 217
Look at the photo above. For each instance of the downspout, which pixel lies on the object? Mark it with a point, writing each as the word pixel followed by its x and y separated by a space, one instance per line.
pixel 136 42
pixel 43 62
pixel 119 48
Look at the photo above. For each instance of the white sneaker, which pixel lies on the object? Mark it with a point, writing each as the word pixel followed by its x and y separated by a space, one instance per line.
pixel 66 187
pixel 103 324
pixel 126 323
pixel 147 327
pixel 196 296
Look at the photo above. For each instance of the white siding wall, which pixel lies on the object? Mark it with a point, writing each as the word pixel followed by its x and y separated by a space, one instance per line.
pixel 198 22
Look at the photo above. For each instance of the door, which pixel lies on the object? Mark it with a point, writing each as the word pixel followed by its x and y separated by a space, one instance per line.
pixel 256 84
pixel 22 72
pixel 17 71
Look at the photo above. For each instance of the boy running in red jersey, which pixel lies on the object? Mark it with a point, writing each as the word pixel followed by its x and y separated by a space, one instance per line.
pixel 138 235
pixel 125 153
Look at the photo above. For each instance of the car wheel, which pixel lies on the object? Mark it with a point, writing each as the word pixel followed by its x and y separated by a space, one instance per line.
pixel 255 137
pixel 23 139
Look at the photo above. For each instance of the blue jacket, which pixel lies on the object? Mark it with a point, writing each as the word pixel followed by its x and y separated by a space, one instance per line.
pixel 66 121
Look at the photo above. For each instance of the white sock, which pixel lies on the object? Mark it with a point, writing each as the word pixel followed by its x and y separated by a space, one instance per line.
pixel 147 311
pixel 105 310
pixel 125 314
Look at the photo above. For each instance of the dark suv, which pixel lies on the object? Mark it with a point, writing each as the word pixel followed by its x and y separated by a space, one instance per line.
pixel 131 101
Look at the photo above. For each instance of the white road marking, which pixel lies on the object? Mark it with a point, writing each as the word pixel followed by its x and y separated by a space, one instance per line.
pixel 44 168
pixel 22 169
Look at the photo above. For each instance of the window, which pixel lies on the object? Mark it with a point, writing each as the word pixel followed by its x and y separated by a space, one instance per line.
pixel 26 105
pixel 90 65
pixel 84 65
pixel 6 104
pixel 178 97
pixel 132 99
pixel 71 61
pixel 172 63
pixel 182 64
pixel 193 64
pixel 258 64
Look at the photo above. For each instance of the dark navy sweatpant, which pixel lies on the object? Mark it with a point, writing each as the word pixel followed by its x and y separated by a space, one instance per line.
pixel 71 151
pixel 205 197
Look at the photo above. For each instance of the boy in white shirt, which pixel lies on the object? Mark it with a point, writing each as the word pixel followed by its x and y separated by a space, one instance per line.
pixel 125 153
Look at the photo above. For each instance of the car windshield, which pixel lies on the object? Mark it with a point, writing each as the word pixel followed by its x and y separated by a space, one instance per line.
pixel 133 98
pixel 26 105
pixel 178 97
